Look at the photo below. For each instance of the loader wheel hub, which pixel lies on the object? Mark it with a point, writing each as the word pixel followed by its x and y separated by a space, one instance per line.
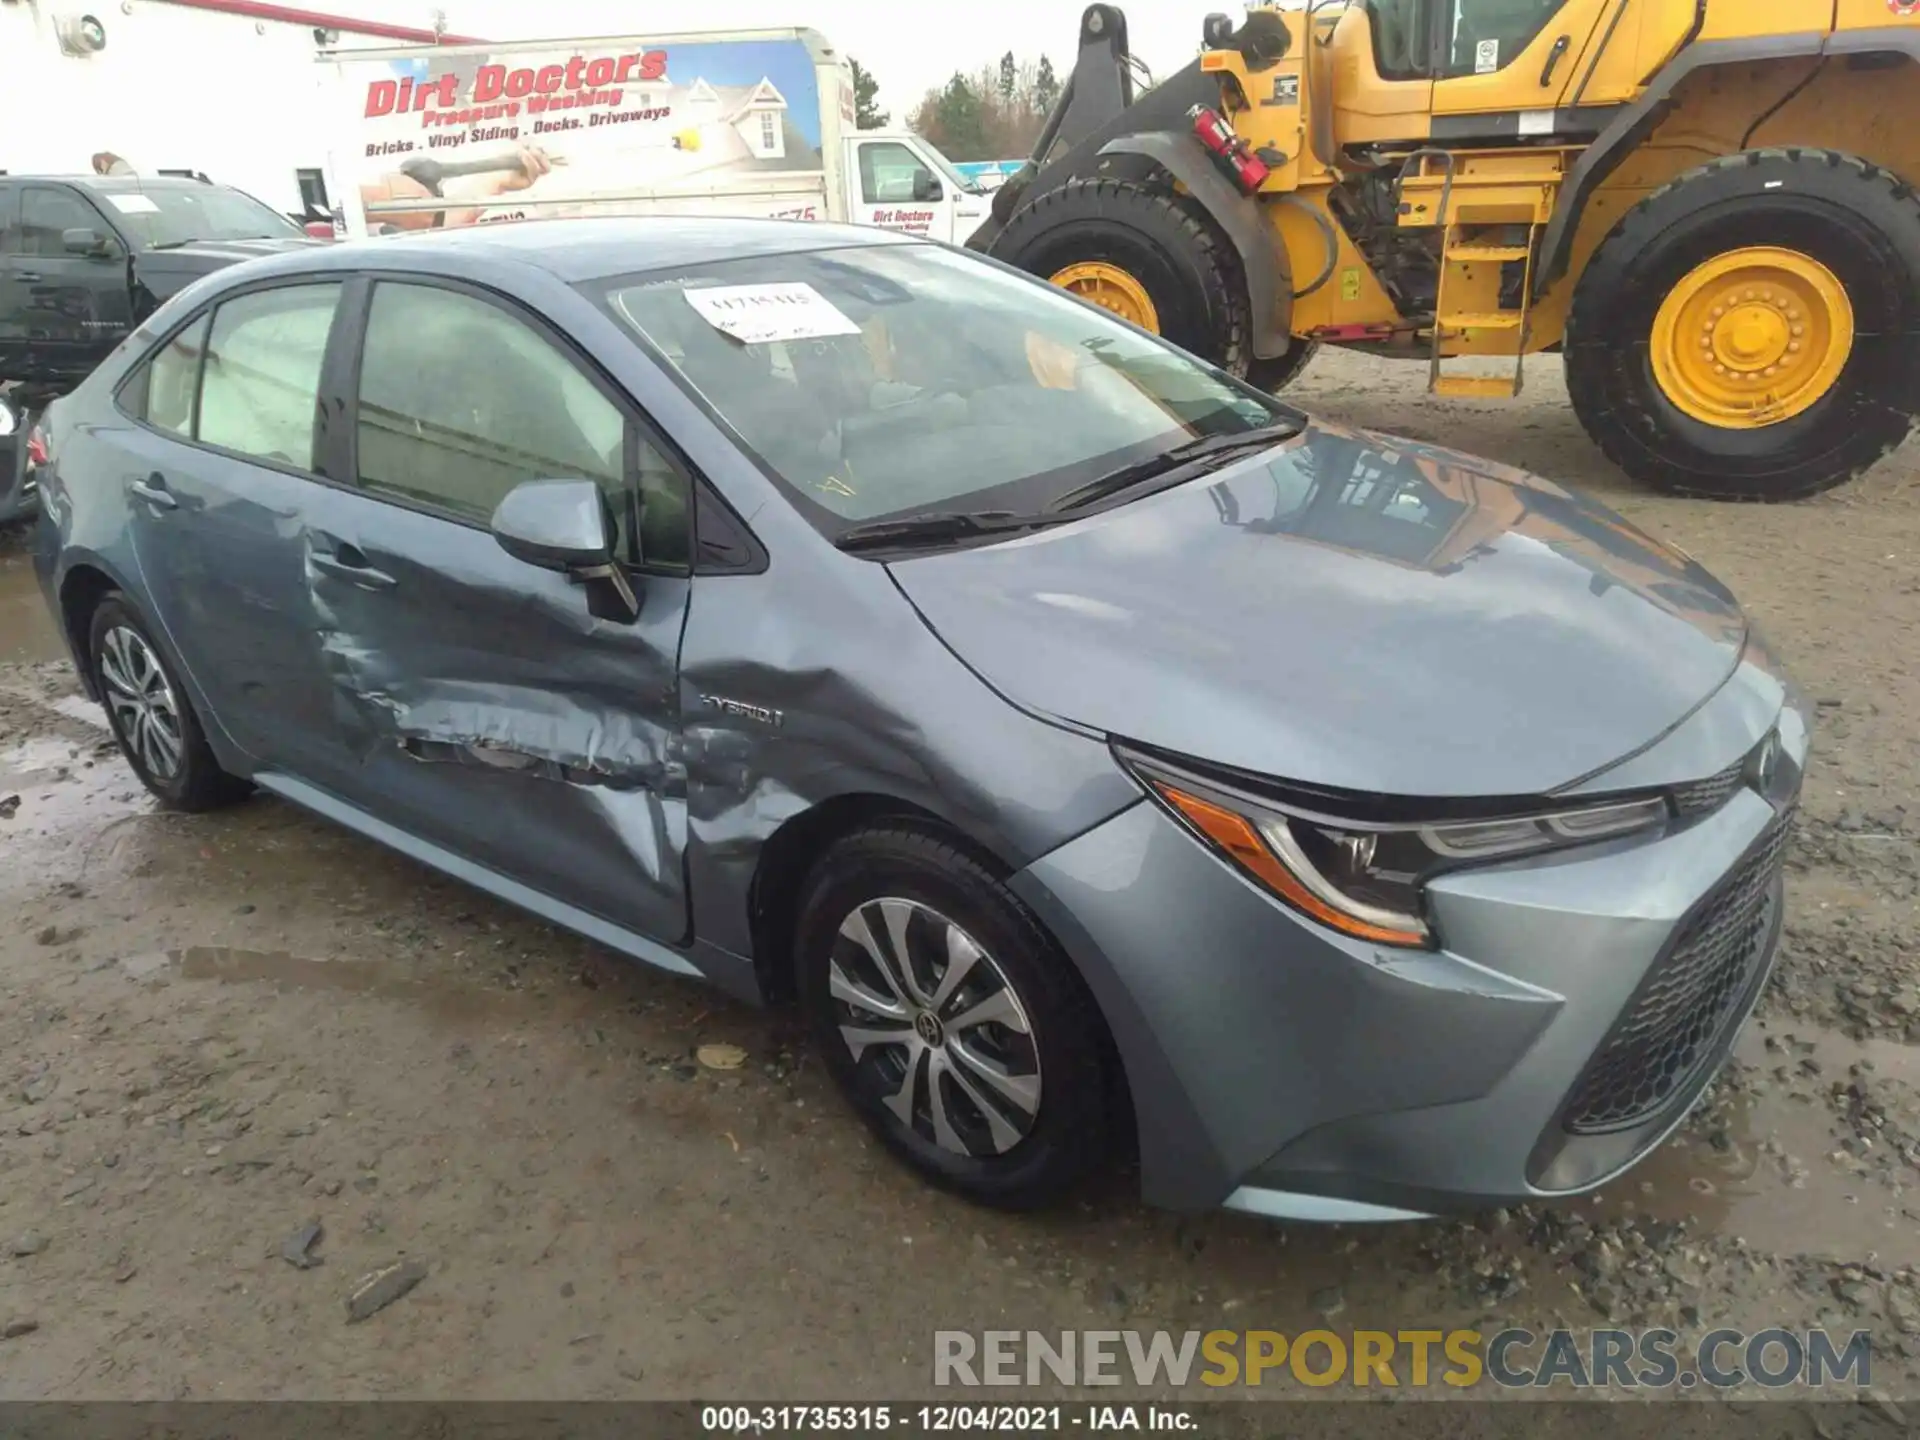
pixel 1112 289
pixel 1752 338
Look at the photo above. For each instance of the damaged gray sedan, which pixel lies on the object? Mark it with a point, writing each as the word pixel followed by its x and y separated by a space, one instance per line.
pixel 1107 757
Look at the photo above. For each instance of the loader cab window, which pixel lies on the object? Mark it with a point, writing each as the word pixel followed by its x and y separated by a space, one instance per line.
pixel 1488 35
pixel 1445 39
pixel 1400 38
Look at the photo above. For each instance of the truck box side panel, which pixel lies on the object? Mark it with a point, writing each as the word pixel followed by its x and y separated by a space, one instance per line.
pixel 464 135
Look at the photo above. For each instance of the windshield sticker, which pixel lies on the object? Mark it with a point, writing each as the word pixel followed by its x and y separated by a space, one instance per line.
pixel 133 204
pixel 766 314
pixel 1486 57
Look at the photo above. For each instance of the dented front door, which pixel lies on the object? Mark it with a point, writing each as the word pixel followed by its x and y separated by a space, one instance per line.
pixel 479 704
pixel 482 708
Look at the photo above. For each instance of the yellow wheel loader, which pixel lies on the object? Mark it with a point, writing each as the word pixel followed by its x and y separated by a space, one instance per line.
pixel 1707 205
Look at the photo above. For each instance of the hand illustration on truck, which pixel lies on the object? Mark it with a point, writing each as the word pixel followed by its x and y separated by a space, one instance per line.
pixel 412 196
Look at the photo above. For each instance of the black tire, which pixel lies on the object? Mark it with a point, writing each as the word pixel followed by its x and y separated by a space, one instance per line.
pixel 1070 1137
pixel 1276 374
pixel 196 782
pixel 1862 223
pixel 1166 243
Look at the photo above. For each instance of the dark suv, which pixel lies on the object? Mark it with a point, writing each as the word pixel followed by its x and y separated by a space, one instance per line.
pixel 84 259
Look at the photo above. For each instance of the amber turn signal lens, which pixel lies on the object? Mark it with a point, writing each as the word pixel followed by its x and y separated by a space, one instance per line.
pixel 1237 837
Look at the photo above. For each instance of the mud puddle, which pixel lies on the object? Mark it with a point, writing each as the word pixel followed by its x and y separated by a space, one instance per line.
pixel 27 631
pixel 288 972
pixel 1769 1166
pixel 67 799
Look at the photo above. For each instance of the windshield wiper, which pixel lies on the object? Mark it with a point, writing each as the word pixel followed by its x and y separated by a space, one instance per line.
pixel 936 526
pixel 1158 467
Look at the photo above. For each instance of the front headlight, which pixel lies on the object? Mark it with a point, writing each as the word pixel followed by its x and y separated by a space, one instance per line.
pixel 1367 877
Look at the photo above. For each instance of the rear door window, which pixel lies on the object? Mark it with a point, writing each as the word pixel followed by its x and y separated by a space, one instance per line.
pixel 173 380
pixel 260 386
pixel 245 377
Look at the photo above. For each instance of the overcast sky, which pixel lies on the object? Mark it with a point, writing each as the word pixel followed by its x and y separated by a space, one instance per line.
pixel 909 45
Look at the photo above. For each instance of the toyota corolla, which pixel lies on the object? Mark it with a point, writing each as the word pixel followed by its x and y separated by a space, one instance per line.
pixel 1104 754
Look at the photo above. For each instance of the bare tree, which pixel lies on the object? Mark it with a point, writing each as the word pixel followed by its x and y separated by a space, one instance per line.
pixel 996 113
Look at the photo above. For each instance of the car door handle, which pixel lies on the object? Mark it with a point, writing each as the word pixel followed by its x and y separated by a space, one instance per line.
pixel 154 491
pixel 350 565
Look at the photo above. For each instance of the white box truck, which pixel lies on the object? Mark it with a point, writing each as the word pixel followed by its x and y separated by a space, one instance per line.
pixel 756 123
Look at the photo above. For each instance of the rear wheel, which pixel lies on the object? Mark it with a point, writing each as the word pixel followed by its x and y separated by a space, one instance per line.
pixel 151 718
pixel 1147 256
pixel 1751 331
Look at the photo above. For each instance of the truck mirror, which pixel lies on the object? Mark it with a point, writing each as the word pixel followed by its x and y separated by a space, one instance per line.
pixel 926 186
pixel 90 243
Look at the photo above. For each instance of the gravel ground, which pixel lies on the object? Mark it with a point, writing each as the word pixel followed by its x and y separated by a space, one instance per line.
pixel 219 1033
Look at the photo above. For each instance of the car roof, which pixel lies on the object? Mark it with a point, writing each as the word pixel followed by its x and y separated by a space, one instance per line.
pixel 119 183
pixel 594 249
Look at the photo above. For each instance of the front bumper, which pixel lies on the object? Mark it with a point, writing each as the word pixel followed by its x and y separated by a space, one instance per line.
pixel 1283 1069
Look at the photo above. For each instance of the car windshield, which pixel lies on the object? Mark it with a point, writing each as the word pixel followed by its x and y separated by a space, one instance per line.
pixel 166 215
pixel 917 380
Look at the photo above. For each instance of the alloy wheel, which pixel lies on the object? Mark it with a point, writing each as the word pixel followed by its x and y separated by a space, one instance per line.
pixel 935 1025
pixel 1753 337
pixel 145 711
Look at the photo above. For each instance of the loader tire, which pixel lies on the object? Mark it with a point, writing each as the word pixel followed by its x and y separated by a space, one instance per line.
pixel 1276 374
pixel 1751 330
pixel 1119 244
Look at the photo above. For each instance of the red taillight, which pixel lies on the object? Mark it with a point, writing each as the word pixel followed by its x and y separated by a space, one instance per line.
pixel 37 454
pixel 319 229
pixel 1231 153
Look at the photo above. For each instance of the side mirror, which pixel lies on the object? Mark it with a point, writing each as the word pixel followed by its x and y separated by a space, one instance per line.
pixel 90 243
pixel 926 187
pixel 566 525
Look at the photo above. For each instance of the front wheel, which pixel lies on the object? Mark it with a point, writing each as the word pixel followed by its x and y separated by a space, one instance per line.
pixel 1751 331
pixel 1275 374
pixel 952 1022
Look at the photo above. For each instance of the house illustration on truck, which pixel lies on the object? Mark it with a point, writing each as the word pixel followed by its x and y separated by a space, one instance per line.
pixel 758 113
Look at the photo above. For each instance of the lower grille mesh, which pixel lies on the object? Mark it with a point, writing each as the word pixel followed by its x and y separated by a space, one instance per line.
pixel 1685 1006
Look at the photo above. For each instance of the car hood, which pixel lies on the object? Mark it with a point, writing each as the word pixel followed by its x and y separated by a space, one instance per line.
pixel 167 272
pixel 1349 611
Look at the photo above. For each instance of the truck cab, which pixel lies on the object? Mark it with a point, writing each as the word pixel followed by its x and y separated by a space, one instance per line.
pixel 897 181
